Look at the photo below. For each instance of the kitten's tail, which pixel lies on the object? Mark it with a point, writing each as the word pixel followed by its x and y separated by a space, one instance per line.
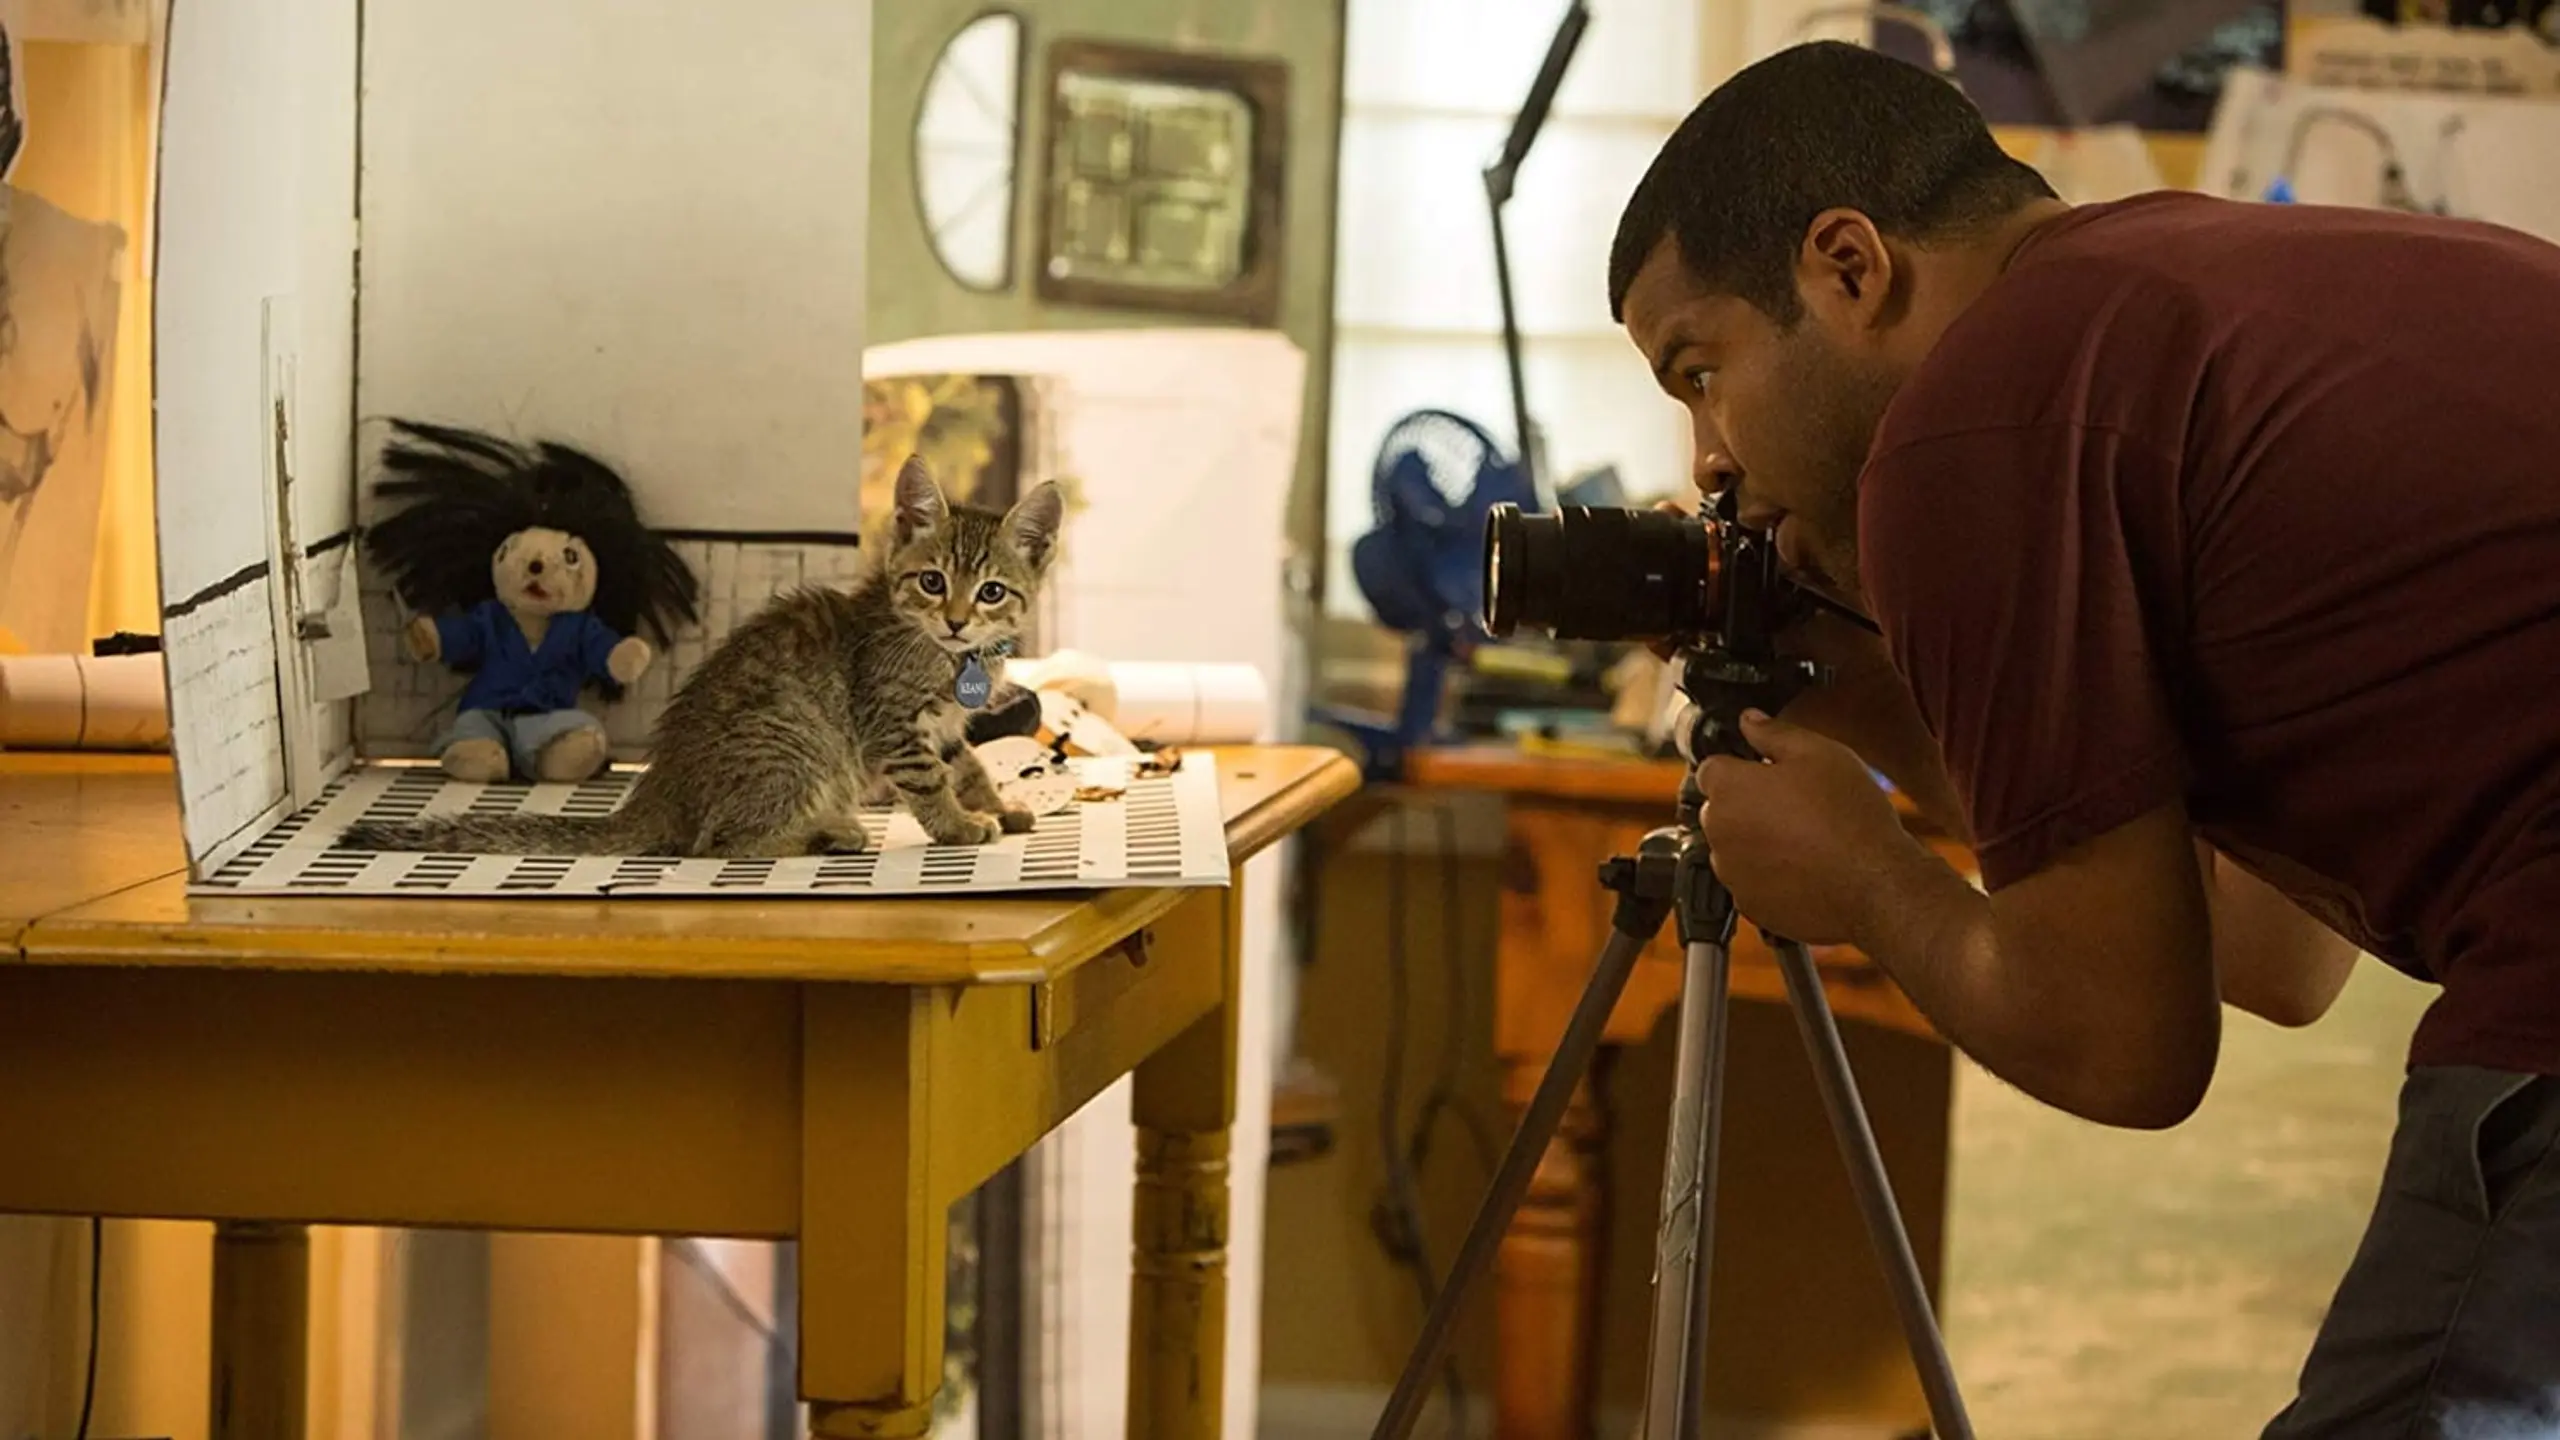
pixel 621 833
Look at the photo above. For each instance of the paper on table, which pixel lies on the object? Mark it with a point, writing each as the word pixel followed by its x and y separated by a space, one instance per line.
pixel 83 702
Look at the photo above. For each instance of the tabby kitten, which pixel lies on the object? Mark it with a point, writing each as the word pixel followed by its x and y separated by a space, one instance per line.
pixel 824 697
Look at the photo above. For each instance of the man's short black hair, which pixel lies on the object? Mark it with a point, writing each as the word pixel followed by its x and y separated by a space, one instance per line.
pixel 1812 128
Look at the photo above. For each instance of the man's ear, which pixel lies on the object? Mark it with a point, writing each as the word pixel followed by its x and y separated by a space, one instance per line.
pixel 1843 268
pixel 920 506
pixel 1032 524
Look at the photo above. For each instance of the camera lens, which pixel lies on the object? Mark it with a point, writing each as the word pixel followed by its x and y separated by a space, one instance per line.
pixel 1586 574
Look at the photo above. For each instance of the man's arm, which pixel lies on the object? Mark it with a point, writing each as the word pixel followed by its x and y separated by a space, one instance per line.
pixel 2089 984
pixel 2274 961
pixel 1867 707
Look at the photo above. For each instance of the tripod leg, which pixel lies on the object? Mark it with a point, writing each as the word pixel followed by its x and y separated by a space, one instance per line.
pixel 1684 1245
pixel 1582 1035
pixel 1839 1087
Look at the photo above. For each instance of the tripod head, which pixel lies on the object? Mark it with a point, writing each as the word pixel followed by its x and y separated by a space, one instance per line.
pixel 1736 666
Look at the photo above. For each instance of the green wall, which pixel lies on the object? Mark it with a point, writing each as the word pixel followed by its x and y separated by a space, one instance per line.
pixel 912 295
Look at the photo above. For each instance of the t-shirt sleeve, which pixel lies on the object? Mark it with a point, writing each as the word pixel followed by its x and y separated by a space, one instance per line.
pixel 463 639
pixel 2028 580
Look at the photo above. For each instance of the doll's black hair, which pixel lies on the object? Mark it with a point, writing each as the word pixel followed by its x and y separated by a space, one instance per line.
pixel 466 492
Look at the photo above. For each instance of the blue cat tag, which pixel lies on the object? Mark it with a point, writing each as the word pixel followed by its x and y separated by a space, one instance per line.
pixel 973 686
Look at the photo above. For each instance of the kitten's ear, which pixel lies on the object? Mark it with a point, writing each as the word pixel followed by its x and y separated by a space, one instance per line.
pixel 1032 524
pixel 921 508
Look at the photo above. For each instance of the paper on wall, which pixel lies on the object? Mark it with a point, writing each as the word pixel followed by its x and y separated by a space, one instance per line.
pixel 340 669
pixel 58 298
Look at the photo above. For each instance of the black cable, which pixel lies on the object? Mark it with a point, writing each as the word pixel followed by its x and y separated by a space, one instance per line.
pixel 689 1251
pixel 1443 1097
pixel 97 1302
pixel 1397 1217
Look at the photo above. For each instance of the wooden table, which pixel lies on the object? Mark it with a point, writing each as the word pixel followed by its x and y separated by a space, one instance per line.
pixel 832 1072
pixel 1563 817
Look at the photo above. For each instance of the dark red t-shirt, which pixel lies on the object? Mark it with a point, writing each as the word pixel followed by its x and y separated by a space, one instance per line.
pixel 2258 506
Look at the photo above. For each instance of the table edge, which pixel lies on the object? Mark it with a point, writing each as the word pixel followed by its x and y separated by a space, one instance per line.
pixel 1101 920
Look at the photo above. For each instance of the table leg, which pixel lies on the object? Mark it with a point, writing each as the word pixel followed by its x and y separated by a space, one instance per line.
pixel 1548 1276
pixel 873 1230
pixel 261 1315
pixel 1184 1106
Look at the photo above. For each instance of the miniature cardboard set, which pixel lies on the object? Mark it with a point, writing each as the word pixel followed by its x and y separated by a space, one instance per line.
pixel 622 285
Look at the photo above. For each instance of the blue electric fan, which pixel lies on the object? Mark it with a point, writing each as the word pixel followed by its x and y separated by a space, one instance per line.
pixel 1438 474
pixel 1421 566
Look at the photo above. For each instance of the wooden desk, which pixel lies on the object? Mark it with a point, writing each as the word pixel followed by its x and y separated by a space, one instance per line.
pixel 832 1072
pixel 75 828
pixel 1563 817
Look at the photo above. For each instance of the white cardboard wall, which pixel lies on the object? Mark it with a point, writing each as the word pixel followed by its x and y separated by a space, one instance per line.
pixel 1184 442
pixel 636 226
pixel 253 293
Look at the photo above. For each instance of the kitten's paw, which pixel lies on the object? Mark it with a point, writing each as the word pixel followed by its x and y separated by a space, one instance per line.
pixel 966 829
pixel 847 839
pixel 1016 822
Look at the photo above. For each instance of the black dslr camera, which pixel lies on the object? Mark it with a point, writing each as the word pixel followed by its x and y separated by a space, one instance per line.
pixel 1707 584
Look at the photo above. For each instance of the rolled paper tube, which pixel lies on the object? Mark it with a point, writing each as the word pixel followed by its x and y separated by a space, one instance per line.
pixel 83 702
pixel 1178 704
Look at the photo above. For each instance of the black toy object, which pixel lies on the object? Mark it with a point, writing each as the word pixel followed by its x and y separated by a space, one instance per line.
pixel 529 567
pixel 472 491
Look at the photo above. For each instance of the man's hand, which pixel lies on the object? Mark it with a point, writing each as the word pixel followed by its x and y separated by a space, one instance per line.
pixel 1804 840
pixel 1865 706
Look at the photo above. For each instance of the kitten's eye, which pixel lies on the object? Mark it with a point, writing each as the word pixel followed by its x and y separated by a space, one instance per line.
pixel 930 582
pixel 991 593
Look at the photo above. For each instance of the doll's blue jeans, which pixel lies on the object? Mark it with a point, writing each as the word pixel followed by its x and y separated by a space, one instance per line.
pixel 524 734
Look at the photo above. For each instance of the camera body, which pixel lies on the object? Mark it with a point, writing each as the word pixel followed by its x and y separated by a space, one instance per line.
pixel 1707 586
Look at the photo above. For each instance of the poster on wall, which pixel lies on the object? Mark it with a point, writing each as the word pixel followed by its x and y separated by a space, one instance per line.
pixel 968 429
pixel 2146 64
pixel 59 291
pixel 2454 47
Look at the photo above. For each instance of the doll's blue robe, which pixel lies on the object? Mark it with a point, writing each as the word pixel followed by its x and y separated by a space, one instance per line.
pixel 513 678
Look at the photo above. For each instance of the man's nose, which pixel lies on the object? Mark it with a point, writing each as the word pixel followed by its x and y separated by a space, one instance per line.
pixel 1712 470
pixel 1711 465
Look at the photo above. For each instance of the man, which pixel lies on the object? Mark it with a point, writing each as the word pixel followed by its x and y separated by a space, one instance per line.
pixel 2216 550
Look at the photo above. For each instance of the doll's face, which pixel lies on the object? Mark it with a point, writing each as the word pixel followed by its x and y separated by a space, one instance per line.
pixel 544 572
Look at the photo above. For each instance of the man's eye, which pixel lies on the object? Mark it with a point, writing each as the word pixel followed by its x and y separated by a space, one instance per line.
pixel 1697 380
pixel 570 556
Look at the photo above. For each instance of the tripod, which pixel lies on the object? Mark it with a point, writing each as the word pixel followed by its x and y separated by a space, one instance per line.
pixel 1669 875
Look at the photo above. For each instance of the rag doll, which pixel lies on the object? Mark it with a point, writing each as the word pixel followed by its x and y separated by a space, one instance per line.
pixel 772 744
pixel 529 569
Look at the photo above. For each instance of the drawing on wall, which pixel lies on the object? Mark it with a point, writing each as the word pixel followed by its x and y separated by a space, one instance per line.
pixel 2083 62
pixel 58 296
pixel 968 428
